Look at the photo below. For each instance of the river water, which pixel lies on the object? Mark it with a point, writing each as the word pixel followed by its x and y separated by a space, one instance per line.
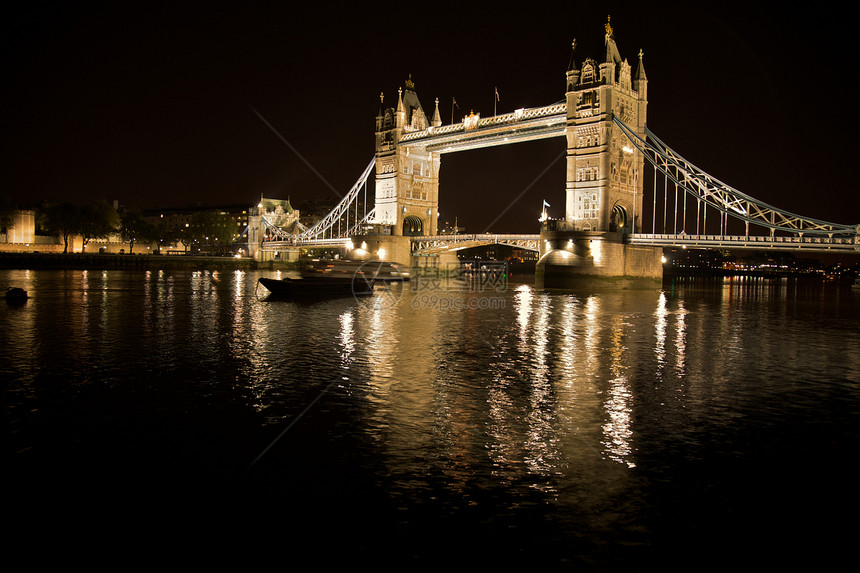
pixel 438 423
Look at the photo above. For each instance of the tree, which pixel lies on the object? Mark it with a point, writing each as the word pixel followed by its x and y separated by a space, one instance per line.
pixel 60 219
pixel 210 229
pixel 185 237
pixel 97 221
pixel 165 235
pixel 133 228
pixel 7 215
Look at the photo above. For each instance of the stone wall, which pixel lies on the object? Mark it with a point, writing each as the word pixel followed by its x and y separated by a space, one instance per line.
pixel 568 257
pixel 392 248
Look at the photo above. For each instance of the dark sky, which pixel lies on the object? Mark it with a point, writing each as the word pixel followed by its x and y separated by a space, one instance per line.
pixel 154 104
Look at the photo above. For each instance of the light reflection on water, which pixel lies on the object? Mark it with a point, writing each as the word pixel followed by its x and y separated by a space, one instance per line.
pixel 590 406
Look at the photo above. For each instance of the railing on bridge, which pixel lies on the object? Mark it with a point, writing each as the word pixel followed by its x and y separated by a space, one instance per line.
pixel 440 243
pixel 840 244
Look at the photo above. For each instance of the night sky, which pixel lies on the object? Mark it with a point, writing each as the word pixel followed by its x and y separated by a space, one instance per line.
pixel 160 104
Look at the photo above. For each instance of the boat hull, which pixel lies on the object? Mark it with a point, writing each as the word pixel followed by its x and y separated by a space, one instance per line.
pixel 16 295
pixel 322 287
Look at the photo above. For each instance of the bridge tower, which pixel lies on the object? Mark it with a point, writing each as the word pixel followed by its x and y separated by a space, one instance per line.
pixel 604 176
pixel 407 178
pixel 604 183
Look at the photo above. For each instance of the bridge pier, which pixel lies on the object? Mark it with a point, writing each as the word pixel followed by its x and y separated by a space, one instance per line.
pixel 590 258
pixel 284 254
pixel 445 263
pixel 392 248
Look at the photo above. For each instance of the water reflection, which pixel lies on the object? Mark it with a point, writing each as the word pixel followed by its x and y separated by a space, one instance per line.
pixel 660 319
pixel 542 442
pixel 590 351
pixel 523 304
pixel 680 340
pixel 347 341
pixel 551 399
pixel 617 428
pixel 381 342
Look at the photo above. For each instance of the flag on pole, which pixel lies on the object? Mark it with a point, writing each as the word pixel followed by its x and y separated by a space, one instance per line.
pixel 497 95
pixel 543 214
pixel 455 102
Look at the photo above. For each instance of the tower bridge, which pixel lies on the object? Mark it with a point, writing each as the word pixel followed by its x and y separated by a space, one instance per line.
pixel 610 156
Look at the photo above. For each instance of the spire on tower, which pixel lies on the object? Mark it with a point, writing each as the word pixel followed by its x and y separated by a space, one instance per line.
pixel 400 100
pixel 640 71
pixel 640 81
pixel 437 119
pixel 572 65
pixel 612 55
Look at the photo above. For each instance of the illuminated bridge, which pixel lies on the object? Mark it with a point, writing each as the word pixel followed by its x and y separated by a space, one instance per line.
pixel 682 197
pixel 621 179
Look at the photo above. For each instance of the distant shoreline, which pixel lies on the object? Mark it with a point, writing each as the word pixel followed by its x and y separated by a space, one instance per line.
pixel 149 261
pixel 126 261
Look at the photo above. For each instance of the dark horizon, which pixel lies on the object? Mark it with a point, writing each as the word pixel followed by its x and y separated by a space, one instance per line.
pixel 165 106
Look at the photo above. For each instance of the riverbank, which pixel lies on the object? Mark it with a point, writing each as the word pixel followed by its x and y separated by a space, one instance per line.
pixel 125 261
pixel 38 260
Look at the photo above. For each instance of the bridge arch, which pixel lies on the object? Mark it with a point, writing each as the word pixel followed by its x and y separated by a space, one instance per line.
pixel 619 220
pixel 413 226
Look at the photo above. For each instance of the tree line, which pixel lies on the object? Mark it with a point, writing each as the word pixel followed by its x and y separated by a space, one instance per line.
pixel 100 220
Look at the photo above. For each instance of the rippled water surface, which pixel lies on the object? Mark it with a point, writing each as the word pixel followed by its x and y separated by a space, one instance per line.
pixel 441 422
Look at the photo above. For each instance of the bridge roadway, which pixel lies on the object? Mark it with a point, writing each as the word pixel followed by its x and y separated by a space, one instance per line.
pixel 442 243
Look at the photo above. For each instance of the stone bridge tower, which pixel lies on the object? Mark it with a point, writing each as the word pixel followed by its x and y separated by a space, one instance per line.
pixel 604 176
pixel 604 183
pixel 407 177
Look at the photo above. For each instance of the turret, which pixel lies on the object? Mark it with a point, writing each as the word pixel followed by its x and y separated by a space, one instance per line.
pixel 640 81
pixel 611 58
pixel 572 75
pixel 400 113
pixel 437 119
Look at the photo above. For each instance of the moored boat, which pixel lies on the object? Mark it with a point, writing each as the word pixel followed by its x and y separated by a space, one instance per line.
pixel 317 286
pixel 16 294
